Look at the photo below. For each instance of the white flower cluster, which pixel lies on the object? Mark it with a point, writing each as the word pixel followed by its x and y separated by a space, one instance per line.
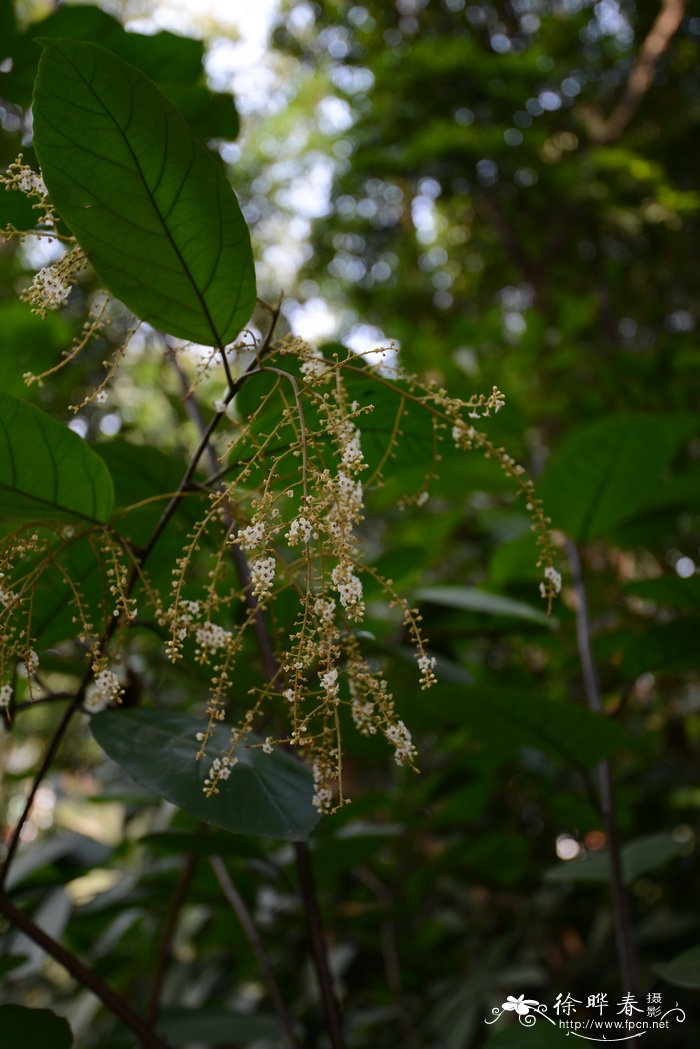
pixel 349 588
pixel 6 596
pixel 262 575
pixel 316 369
pixel 106 689
pixel 323 794
pixel 253 535
pixel 400 738
pixel 426 665
pixel 300 531
pixel 350 447
pixel 212 636
pixel 20 176
pixel 552 582
pixel 5 696
pixel 220 769
pixel 187 611
pixel 329 682
pixel 363 716
pixel 346 509
pixel 324 607
pixel 48 289
pixel 268 747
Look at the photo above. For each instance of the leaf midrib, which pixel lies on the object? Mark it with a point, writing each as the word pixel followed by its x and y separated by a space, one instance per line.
pixel 188 273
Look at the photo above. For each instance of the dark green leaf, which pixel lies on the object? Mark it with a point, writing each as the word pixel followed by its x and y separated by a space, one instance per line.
pixel 604 471
pixel 31 1028
pixel 470 599
pixel 209 113
pixel 683 970
pixel 47 471
pixel 638 858
pixel 666 646
pixel 28 342
pixel 163 56
pixel 512 719
pixel 267 794
pixel 146 200
pixel 669 590
pixel 8 962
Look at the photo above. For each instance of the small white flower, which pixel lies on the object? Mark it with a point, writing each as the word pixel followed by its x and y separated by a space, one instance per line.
pixel 554 577
pixel 349 588
pixel 212 636
pixel 253 535
pixel 5 696
pixel 400 737
pixel 324 607
pixel 262 575
pixel 300 531
pixel 316 370
pixel 329 682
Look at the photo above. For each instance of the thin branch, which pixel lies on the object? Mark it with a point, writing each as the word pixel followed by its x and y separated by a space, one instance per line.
pixel 607 130
pixel 259 950
pixel 166 941
pixel 390 955
pixel 52 697
pixel 317 941
pixel 621 919
pixel 87 977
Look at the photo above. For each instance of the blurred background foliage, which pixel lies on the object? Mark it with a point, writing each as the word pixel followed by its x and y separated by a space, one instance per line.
pixel 475 184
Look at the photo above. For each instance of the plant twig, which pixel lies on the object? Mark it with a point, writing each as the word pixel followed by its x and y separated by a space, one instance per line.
pixel 624 939
pixel 390 955
pixel 87 977
pixel 317 941
pixel 253 937
pixel 607 130
pixel 169 928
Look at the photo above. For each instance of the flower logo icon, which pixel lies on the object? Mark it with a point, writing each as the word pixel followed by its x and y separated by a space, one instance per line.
pixel 520 1005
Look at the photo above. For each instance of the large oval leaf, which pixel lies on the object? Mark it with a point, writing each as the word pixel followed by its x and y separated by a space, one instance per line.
pixel 147 201
pixel 267 794
pixel 46 470
pixel 604 471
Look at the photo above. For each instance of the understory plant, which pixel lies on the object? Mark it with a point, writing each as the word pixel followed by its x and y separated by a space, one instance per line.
pixel 251 563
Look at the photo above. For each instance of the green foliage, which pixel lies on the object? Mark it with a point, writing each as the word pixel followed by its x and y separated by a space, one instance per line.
pixel 638 858
pixel 493 224
pixel 603 473
pixel 29 1028
pixel 46 471
pixel 683 970
pixel 149 205
pixel 266 794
